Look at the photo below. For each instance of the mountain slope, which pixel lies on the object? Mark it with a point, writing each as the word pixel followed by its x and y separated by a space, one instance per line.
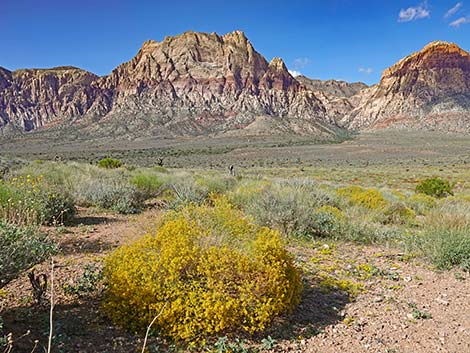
pixel 194 83
pixel 428 90
pixel 338 97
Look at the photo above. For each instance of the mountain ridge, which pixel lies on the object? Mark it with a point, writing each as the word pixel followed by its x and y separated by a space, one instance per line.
pixel 204 83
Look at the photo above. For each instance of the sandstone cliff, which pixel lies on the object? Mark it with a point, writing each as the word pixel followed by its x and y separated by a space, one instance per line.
pixel 194 83
pixel 338 97
pixel 429 89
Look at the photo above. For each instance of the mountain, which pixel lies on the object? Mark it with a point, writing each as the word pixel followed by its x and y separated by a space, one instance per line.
pixel 428 90
pixel 193 83
pixel 201 83
pixel 338 97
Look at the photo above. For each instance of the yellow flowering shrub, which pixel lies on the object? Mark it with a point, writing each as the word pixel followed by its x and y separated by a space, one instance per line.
pixel 209 271
pixel 369 198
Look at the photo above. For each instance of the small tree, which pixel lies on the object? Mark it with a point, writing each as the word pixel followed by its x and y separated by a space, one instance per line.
pixel 435 187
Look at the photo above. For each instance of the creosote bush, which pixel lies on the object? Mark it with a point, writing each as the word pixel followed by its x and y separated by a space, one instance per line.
pixel 435 187
pixel 209 268
pixel 110 163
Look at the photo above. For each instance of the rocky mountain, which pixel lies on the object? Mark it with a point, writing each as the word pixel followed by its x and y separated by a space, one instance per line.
pixel 338 97
pixel 39 97
pixel 201 83
pixel 194 83
pixel 429 90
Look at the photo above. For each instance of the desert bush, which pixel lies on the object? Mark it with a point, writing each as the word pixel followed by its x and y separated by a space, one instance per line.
pixel 109 163
pixel 328 221
pixel 287 208
pixel 216 184
pixel 421 203
pixel 248 190
pixel 444 246
pixel 149 185
pixel 368 198
pixel 450 213
pixel 435 187
pixel 20 248
pixel 30 201
pixel 109 193
pixel 399 213
pixel 186 191
pixel 208 270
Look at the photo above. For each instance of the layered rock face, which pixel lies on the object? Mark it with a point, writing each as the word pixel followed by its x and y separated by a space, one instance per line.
pixel 338 97
pixel 188 84
pixel 429 89
pixel 38 97
pixel 199 82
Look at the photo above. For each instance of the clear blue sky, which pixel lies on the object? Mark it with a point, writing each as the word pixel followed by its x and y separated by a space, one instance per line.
pixel 352 40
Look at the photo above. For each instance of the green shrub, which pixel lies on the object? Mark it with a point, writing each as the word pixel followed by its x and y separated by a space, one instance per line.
pixel 365 232
pixel 216 184
pixel 421 203
pixel 186 191
pixel 109 163
pixel 328 221
pixel 20 248
pixel 149 185
pixel 445 247
pixel 399 213
pixel 30 201
pixel 208 270
pixel 435 187
pixel 113 194
pixel 287 208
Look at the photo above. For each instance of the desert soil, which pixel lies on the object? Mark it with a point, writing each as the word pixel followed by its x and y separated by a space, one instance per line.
pixel 401 305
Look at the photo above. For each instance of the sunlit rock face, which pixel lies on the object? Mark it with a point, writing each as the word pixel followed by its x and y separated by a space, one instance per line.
pixel 429 90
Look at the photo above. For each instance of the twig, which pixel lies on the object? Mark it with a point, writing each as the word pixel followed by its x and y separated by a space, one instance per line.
pixel 149 326
pixel 35 346
pixel 51 323
pixel 9 343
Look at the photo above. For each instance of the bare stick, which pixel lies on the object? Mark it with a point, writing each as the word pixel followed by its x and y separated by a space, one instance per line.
pixel 51 323
pixel 149 326
pixel 35 346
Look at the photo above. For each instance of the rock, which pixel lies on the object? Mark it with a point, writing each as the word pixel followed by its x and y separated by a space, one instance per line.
pixel 190 84
pixel 426 90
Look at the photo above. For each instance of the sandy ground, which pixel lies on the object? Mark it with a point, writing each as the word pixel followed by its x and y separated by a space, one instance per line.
pixel 388 303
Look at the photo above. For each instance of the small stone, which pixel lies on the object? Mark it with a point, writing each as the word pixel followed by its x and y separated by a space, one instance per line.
pixel 442 301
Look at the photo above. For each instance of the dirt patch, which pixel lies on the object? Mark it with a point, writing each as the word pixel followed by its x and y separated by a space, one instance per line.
pixel 356 299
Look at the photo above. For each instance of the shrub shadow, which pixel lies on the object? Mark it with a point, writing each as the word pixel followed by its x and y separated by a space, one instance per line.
pixel 318 308
pixel 85 246
pixel 78 327
pixel 91 220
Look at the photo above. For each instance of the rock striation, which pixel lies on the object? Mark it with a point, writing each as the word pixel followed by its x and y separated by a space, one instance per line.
pixel 428 90
pixel 193 83
pixel 338 97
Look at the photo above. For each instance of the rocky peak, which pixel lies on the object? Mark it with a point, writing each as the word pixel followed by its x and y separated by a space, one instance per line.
pixel 436 55
pixel 277 64
pixel 5 78
pixel 418 91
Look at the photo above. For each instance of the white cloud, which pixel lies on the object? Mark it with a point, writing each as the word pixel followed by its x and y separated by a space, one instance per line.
pixel 366 71
pixel 301 63
pixel 295 73
pixel 453 10
pixel 457 23
pixel 414 13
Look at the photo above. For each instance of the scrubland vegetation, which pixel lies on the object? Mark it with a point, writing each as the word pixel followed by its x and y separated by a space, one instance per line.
pixel 220 260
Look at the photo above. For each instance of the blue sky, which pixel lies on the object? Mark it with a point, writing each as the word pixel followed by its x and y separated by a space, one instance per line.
pixel 351 40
